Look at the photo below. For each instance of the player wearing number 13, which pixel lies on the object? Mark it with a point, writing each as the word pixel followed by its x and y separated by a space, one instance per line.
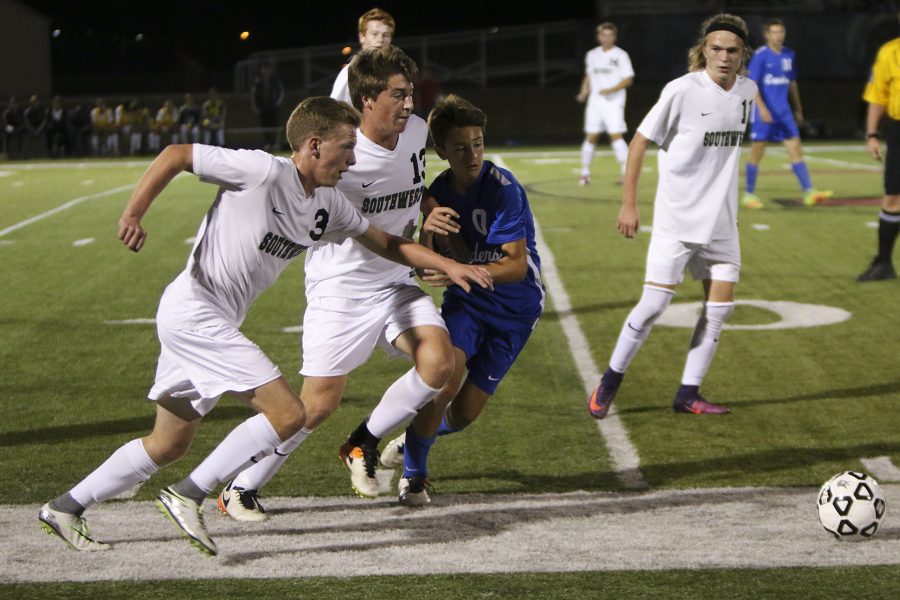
pixel 699 123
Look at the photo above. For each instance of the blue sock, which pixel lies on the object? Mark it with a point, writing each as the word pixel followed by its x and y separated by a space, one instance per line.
pixel 752 171
pixel 415 453
pixel 802 174
pixel 445 428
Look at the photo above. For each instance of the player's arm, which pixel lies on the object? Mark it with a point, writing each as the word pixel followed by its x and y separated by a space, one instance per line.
pixel 794 94
pixel 171 161
pixel 625 83
pixel 629 216
pixel 584 91
pixel 764 113
pixel 411 254
pixel 874 116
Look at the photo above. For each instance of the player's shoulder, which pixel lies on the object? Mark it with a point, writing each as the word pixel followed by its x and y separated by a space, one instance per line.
pixel 889 48
pixel 761 50
pixel 745 86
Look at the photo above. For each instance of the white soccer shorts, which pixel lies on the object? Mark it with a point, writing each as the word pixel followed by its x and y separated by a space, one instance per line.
pixel 339 334
pixel 202 364
pixel 667 258
pixel 604 116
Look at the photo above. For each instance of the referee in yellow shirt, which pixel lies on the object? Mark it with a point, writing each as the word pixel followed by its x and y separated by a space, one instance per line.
pixel 883 95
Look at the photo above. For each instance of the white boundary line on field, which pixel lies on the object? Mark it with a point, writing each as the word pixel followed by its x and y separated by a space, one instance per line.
pixel 622 452
pixel 65 206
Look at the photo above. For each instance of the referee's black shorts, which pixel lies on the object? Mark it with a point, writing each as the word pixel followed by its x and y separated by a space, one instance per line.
pixel 892 160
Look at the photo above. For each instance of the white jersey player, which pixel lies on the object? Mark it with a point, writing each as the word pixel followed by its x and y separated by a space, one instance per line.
pixel 267 212
pixel 699 123
pixel 607 73
pixel 355 301
pixel 376 30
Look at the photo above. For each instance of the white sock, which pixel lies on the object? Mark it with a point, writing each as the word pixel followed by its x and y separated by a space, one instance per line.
pixel 705 341
pixel 400 403
pixel 127 467
pixel 637 326
pixel 620 149
pixel 258 475
pixel 246 444
pixel 587 155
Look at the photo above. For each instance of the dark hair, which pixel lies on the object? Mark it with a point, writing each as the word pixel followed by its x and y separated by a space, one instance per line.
pixel 452 112
pixel 370 70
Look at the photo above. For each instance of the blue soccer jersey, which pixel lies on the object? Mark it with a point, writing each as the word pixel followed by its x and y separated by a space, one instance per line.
pixel 773 73
pixel 493 212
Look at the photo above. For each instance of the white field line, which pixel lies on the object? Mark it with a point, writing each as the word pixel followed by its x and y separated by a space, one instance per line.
pixel 623 454
pixel 577 153
pixel 68 164
pixel 66 206
pixel 729 528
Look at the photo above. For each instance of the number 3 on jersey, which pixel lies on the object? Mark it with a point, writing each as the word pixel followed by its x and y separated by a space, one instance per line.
pixel 418 172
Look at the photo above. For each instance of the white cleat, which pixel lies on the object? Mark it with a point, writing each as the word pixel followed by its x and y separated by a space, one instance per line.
pixel 392 455
pixel 584 180
pixel 241 504
pixel 188 517
pixel 414 491
pixel 362 469
pixel 71 529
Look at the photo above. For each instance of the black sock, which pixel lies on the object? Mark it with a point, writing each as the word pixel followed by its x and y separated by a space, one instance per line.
pixel 67 504
pixel 362 437
pixel 888 228
pixel 686 392
pixel 613 377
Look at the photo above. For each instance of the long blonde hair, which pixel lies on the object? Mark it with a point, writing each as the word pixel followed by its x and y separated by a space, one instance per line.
pixel 696 58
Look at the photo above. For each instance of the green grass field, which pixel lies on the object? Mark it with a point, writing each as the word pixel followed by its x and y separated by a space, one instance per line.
pixel 807 402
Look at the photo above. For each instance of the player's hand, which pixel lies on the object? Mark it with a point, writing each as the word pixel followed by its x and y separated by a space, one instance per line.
pixel 798 117
pixel 131 233
pixel 873 144
pixel 765 115
pixel 442 221
pixel 434 278
pixel 580 98
pixel 462 275
pixel 629 220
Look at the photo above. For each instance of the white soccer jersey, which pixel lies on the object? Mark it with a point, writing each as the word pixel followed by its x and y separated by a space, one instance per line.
pixel 386 186
pixel 341 88
pixel 605 69
pixel 260 220
pixel 699 127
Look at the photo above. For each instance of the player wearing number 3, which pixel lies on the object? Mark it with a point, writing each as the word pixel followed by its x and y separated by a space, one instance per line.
pixel 698 123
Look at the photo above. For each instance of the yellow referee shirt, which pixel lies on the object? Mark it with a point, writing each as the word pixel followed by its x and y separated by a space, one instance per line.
pixel 884 84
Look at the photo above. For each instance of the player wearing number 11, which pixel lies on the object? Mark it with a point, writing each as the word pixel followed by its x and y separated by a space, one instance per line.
pixel 698 122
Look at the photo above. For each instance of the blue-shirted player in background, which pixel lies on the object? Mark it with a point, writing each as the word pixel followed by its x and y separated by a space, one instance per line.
pixel 773 68
pixel 483 218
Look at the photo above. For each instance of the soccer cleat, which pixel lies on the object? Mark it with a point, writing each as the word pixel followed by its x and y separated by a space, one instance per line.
pixel 392 456
pixel 584 180
pixel 601 399
pixel 241 504
pixel 415 491
pixel 814 197
pixel 751 201
pixel 188 517
pixel 361 461
pixel 698 406
pixel 879 270
pixel 71 529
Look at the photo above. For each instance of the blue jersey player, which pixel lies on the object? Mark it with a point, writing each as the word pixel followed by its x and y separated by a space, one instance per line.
pixel 773 68
pixel 483 218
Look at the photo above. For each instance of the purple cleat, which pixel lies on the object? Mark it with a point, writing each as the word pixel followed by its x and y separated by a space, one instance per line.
pixel 600 400
pixel 698 405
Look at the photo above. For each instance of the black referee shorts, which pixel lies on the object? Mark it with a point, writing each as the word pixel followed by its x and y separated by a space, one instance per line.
pixel 892 160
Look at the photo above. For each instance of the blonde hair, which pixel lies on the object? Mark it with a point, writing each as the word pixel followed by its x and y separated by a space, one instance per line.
pixel 607 25
pixel 376 14
pixel 696 58
pixel 453 112
pixel 318 116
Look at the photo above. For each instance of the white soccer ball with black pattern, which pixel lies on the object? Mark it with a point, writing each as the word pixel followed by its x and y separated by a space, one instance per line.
pixel 851 505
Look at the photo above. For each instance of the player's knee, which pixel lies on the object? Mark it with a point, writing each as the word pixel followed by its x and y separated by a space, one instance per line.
pixel 435 365
pixel 653 303
pixel 289 420
pixel 165 452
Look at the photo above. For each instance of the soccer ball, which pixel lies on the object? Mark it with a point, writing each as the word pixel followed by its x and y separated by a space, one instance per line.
pixel 851 504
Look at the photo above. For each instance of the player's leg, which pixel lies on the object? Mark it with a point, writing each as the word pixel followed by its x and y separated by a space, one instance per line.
pixel 882 266
pixel 718 266
pixel 614 122
pixel 129 466
pixel 757 151
pixel 591 135
pixel 666 260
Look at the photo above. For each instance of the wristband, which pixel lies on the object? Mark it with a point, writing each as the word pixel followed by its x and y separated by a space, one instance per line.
pixel 872 135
